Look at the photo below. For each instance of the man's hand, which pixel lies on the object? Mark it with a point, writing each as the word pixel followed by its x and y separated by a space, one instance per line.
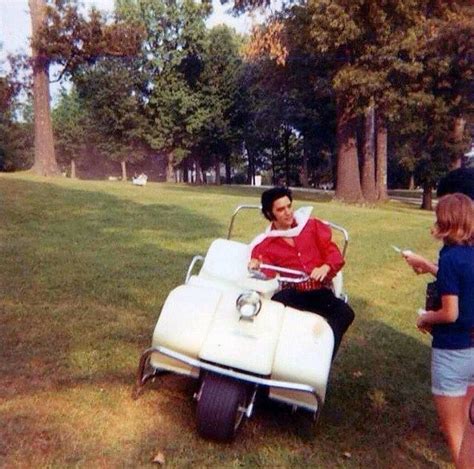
pixel 320 273
pixel 419 264
pixel 254 264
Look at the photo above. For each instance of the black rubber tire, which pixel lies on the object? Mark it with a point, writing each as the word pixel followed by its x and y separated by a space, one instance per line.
pixel 218 415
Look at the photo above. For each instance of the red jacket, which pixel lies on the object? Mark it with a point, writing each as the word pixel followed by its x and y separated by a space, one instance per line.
pixel 313 248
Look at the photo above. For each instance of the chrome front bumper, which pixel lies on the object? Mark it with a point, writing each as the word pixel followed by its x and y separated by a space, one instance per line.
pixel 143 377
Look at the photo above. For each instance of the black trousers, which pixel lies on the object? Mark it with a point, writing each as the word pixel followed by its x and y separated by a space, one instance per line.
pixel 338 314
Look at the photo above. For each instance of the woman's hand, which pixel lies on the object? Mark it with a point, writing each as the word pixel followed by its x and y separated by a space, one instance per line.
pixel 419 264
pixel 423 326
pixel 320 273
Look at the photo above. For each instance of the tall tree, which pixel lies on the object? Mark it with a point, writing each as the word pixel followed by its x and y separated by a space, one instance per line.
pixel 62 35
pixel 73 128
pixel 378 51
pixel 219 87
pixel 45 158
pixel 110 92
pixel 171 58
pixel 368 156
pixel 381 159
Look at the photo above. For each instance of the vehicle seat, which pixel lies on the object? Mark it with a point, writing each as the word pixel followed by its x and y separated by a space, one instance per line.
pixel 225 260
pixel 338 285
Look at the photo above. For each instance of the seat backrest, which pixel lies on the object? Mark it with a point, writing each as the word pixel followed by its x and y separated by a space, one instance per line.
pixel 226 260
pixel 337 285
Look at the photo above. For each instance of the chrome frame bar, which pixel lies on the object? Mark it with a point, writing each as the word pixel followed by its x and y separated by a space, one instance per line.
pixel 259 207
pixel 191 266
pixel 236 211
pixel 344 233
pixel 142 379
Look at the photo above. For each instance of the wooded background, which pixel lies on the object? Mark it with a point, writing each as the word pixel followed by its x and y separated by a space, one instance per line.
pixel 345 93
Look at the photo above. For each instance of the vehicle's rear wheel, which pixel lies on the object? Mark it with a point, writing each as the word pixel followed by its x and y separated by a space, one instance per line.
pixel 220 408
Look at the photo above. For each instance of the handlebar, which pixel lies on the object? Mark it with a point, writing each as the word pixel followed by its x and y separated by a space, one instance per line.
pixel 301 276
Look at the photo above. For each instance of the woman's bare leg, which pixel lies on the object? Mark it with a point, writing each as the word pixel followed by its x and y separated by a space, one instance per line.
pixel 466 454
pixel 452 416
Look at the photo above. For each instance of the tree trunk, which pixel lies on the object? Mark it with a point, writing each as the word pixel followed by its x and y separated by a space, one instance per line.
pixel 304 164
pixel 368 157
pixel 199 179
pixel 228 174
pixel 170 176
pixel 251 167
pixel 427 202
pixel 45 159
pixel 218 171
pixel 286 137
pixel 73 169
pixel 458 134
pixel 381 160
pixel 411 184
pixel 273 167
pixel 348 179
pixel 123 165
pixel 185 171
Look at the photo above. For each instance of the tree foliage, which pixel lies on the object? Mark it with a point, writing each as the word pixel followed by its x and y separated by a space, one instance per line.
pixel 325 91
pixel 389 56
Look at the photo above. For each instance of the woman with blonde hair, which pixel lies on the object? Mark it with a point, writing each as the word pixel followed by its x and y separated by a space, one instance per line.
pixel 452 326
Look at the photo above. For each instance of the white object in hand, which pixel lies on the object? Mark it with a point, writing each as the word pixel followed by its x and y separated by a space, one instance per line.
pixel 403 252
pixel 421 311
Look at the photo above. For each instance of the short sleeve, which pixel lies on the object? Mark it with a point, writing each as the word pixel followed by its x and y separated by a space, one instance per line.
pixel 329 251
pixel 448 276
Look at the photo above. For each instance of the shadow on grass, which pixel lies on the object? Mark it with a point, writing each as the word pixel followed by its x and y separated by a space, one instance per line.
pixel 83 277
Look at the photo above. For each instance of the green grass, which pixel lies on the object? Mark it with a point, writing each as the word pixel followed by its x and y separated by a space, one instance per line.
pixel 85 269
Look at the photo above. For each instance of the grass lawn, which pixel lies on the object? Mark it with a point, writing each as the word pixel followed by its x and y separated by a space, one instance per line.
pixel 85 269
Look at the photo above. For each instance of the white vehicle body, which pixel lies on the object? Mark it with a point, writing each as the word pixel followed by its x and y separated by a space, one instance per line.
pixel 201 330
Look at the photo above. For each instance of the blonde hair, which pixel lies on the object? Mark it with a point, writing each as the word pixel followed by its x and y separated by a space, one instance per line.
pixel 455 220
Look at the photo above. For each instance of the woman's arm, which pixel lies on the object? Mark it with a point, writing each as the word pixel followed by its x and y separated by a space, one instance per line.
pixel 448 313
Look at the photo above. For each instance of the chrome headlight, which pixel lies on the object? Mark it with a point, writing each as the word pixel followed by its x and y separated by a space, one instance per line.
pixel 248 305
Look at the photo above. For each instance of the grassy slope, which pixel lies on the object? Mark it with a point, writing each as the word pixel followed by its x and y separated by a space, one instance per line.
pixel 85 269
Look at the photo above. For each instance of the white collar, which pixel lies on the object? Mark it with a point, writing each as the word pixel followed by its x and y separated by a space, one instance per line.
pixel 301 218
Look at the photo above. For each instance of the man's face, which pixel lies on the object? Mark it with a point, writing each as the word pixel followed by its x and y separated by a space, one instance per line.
pixel 282 211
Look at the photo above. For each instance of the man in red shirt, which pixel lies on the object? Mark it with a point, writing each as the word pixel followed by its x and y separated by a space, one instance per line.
pixel 298 242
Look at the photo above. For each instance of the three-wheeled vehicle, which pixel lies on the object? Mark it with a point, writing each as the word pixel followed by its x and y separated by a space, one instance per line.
pixel 222 328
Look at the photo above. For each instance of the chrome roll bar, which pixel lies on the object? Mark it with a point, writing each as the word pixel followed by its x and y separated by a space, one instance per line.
pixel 236 211
pixel 339 228
pixel 191 266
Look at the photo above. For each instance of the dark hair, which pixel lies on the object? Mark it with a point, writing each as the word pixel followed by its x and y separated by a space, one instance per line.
pixel 269 196
pixel 459 180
